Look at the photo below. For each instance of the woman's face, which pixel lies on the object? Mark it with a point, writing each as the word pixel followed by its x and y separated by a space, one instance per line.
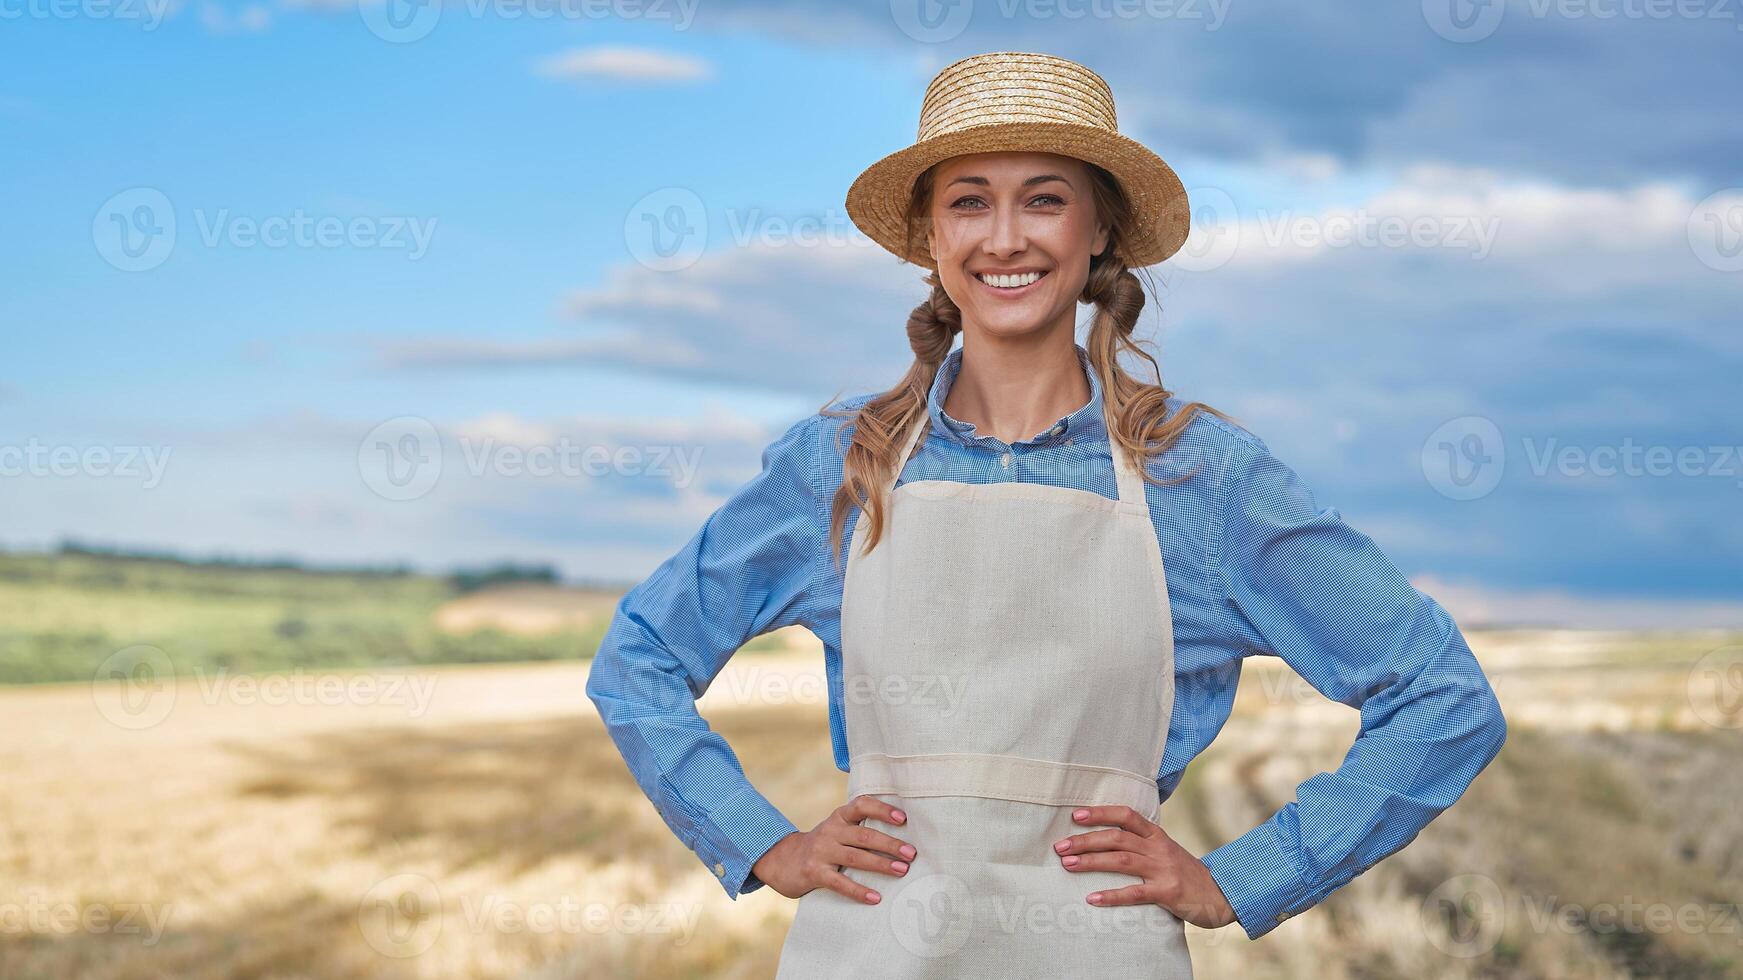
pixel 1014 214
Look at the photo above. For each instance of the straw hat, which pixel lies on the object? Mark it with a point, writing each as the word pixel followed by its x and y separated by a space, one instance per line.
pixel 1016 100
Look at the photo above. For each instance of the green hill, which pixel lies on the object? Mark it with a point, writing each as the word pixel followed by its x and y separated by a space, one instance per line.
pixel 63 615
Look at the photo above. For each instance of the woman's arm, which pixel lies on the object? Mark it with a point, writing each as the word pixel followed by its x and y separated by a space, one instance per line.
pixel 1303 585
pixel 747 571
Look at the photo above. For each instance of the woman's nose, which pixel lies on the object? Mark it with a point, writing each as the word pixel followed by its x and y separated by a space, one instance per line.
pixel 1007 234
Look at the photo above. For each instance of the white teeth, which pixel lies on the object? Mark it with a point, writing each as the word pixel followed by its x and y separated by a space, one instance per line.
pixel 1011 282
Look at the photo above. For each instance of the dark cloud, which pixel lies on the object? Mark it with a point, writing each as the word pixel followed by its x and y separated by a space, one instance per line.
pixel 1578 98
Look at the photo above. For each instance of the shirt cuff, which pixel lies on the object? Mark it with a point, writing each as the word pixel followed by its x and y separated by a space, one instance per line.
pixel 1261 879
pixel 739 831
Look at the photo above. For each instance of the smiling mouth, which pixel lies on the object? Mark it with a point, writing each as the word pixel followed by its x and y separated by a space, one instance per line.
pixel 1011 284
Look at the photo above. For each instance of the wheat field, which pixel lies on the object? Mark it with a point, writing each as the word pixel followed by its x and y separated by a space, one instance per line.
pixel 476 822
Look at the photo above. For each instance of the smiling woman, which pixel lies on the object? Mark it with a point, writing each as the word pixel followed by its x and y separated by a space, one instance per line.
pixel 1082 557
pixel 1024 200
pixel 1017 233
pixel 1048 216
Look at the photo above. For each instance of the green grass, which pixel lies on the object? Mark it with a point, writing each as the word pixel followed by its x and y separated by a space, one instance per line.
pixel 63 615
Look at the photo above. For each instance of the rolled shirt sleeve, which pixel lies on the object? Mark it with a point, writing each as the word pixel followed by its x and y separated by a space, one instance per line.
pixel 748 570
pixel 1301 584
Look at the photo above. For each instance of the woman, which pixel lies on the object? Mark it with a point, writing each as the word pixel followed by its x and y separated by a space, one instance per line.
pixel 1043 610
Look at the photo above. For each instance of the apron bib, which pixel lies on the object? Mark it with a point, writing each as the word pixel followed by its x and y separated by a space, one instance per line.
pixel 1007 656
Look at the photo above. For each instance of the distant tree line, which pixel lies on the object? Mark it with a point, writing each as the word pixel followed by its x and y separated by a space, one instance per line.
pixel 464 579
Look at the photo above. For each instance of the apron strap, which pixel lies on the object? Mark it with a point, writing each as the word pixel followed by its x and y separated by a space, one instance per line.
pixel 917 427
pixel 1131 482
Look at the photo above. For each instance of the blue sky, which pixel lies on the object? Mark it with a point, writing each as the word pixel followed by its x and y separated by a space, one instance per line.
pixel 1565 285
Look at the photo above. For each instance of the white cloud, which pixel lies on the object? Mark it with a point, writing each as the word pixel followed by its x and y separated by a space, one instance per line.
pixel 1463 212
pixel 619 63
pixel 716 427
pixel 673 294
pixel 252 18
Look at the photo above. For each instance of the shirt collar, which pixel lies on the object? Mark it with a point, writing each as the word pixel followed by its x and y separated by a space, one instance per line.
pixel 1086 424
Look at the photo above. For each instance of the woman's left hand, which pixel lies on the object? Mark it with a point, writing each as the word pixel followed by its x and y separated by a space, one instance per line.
pixel 1173 877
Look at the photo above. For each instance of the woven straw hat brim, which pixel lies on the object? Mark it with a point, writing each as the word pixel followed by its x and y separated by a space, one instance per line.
pixel 878 200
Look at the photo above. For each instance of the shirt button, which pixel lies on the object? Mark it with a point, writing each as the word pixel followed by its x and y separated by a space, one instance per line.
pixel 1284 915
pixel 719 870
pixel 1005 461
pixel 1058 429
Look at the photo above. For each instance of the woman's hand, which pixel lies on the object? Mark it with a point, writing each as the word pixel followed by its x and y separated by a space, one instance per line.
pixel 804 860
pixel 1173 877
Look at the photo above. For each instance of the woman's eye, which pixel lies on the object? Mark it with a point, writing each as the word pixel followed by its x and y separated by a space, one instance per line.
pixel 1051 200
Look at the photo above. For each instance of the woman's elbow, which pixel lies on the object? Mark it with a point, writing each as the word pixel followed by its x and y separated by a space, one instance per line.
pixel 605 673
pixel 1492 727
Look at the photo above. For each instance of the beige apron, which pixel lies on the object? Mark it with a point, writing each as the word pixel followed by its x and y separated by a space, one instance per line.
pixel 1007 655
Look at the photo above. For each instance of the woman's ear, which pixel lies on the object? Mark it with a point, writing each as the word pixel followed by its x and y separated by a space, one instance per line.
pixel 1100 244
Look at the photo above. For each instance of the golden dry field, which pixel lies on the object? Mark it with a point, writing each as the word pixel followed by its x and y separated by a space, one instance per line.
pixel 476 822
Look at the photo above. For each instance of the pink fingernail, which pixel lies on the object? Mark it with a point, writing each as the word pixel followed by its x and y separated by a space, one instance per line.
pixel 900 866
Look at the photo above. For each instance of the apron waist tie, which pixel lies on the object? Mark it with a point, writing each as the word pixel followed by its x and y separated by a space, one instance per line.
pixel 1001 777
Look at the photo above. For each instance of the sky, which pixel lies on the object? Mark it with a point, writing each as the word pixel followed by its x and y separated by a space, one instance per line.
pixel 536 280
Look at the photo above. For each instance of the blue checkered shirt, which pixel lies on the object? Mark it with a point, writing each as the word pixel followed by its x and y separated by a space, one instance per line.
pixel 1255 567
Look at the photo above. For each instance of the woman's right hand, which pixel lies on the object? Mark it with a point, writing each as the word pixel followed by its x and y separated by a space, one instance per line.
pixel 807 859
